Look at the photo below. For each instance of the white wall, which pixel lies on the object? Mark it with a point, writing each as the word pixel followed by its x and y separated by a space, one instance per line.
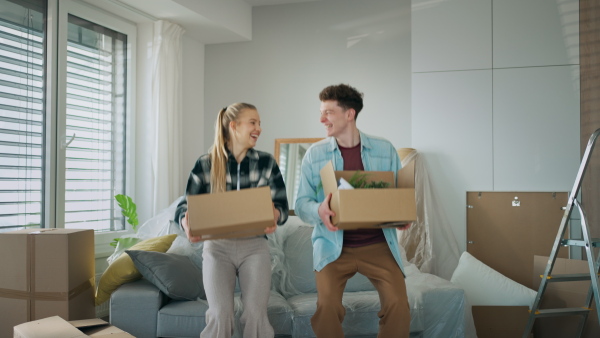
pixel 495 101
pixel 298 49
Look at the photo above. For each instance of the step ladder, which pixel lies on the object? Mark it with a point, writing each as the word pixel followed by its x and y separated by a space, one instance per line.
pixel 587 243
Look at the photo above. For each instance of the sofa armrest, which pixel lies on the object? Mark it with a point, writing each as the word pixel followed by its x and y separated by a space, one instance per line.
pixel 134 308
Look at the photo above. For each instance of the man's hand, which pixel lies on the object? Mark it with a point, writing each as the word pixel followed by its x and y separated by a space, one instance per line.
pixel 326 213
pixel 276 214
pixel 405 227
pixel 184 224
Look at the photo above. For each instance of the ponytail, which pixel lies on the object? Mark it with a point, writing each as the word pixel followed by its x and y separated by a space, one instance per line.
pixel 218 155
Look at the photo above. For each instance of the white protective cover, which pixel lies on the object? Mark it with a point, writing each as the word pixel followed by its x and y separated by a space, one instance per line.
pixel 429 242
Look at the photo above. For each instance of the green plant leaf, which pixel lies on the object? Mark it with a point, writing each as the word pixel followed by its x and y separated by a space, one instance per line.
pixel 359 181
pixel 128 209
pixel 125 242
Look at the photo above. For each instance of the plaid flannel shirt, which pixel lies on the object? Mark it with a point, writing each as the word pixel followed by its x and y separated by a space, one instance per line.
pixel 257 169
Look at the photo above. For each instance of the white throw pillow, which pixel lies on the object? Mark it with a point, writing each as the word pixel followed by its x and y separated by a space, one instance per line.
pixel 486 286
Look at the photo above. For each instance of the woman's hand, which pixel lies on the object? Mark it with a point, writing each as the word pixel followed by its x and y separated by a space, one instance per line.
pixel 185 226
pixel 272 229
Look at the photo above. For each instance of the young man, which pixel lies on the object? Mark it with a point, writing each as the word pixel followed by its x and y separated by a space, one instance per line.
pixel 339 254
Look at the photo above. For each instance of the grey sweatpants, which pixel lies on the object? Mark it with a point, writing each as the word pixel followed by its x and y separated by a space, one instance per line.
pixel 223 260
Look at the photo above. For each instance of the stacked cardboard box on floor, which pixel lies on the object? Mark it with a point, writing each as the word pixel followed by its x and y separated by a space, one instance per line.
pixel 43 273
pixel 564 295
pixel 371 208
pixel 500 321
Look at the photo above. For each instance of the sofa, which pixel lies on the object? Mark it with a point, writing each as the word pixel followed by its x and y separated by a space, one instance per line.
pixel 438 307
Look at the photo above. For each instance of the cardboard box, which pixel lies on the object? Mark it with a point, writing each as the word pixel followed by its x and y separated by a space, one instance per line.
pixel 238 213
pixel 371 208
pixel 562 295
pixel 55 326
pixel 500 321
pixel 46 272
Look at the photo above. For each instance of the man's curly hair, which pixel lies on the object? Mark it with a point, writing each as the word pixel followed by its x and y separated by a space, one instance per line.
pixel 346 96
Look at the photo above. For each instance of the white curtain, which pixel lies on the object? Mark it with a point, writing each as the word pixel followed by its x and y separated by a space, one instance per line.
pixel 167 113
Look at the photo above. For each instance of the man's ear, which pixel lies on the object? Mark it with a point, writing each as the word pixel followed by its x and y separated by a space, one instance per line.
pixel 351 114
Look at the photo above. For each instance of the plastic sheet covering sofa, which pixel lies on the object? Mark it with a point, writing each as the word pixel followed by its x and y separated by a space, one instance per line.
pixel 438 307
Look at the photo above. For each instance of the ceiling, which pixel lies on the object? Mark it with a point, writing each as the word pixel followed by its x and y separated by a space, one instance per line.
pixel 207 21
pixel 273 2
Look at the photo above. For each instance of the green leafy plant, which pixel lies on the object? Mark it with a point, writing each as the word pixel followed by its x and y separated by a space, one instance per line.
pixel 129 210
pixel 359 181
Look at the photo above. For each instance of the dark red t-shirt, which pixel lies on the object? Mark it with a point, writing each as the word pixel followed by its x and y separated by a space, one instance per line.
pixel 359 237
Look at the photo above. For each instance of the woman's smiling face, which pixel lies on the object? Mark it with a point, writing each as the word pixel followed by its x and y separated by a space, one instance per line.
pixel 246 129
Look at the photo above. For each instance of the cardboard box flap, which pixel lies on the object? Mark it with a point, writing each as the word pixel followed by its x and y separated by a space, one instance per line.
pixel 406 176
pixel 97 327
pixel 50 327
pixel 88 323
pixel 328 179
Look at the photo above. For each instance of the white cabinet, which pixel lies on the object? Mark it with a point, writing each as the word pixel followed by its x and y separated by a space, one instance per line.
pixel 452 123
pixel 535 33
pixel 451 35
pixel 536 128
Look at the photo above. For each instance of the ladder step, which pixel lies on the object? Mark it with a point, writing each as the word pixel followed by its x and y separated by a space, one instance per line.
pixel 568 277
pixel 562 312
pixel 578 242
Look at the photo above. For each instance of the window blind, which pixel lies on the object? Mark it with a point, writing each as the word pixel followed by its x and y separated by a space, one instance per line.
pixel 22 115
pixel 95 122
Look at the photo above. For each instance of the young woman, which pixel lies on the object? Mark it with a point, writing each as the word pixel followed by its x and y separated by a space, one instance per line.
pixel 234 164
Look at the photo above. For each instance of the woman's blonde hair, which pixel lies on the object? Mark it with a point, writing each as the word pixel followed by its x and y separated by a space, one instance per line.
pixel 218 152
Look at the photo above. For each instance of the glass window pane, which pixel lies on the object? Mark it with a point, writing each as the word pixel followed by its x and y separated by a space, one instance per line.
pixel 22 114
pixel 95 160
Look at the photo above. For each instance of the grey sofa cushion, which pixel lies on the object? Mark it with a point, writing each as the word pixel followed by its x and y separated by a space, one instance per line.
pixel 182 319
pixel 175 275
pixel 299 260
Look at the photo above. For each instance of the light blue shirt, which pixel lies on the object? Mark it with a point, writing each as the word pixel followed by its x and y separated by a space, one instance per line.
pixel 377 154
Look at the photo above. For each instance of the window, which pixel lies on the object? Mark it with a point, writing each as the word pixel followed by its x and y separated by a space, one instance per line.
pixel 95 115
pixel 22 66
pixel 63 148
pixel 290 162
